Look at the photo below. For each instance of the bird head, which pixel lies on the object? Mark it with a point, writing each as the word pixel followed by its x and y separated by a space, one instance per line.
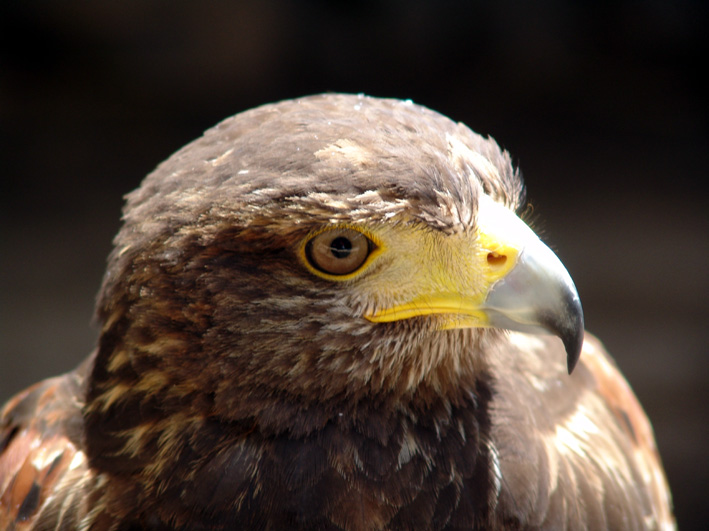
pixel 321 249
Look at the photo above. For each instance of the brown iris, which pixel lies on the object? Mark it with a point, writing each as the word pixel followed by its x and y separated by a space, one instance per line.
pixel 338 251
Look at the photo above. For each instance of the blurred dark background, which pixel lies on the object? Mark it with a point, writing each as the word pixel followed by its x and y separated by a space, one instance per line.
pixel 602 104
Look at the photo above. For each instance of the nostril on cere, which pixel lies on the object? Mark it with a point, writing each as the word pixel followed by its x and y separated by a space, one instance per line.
pixel 496 259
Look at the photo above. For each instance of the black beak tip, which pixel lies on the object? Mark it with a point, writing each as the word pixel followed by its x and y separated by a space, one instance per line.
pixel 573 344
pixel 569 327
pixel 572 333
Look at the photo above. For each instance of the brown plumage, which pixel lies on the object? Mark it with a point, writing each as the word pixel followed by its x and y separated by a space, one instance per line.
pixel 250 376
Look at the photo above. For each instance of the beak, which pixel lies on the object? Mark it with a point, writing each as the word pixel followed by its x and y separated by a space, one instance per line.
pixel 537 294
pixel 525 288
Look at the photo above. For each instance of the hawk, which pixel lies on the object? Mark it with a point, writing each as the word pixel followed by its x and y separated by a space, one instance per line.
pixel 325 314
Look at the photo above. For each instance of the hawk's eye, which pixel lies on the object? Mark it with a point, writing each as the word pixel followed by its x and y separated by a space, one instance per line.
pixel 338 251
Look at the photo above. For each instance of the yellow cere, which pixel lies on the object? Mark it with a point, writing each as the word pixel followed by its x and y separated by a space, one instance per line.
pixel 415 271
pixel 448 274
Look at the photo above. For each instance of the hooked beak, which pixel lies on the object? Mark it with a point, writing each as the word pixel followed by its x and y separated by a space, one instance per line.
pixel 526 287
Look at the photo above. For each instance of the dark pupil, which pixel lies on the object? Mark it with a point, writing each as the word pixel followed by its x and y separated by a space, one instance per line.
pixel 340 247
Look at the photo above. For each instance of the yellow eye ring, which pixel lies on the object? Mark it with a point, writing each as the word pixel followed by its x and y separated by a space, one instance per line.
pixel 339 252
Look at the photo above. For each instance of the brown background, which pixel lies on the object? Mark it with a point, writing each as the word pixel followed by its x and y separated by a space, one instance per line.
pixel 601 104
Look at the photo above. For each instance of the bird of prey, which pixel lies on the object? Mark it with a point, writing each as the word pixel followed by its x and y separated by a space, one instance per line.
pixel 325 314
